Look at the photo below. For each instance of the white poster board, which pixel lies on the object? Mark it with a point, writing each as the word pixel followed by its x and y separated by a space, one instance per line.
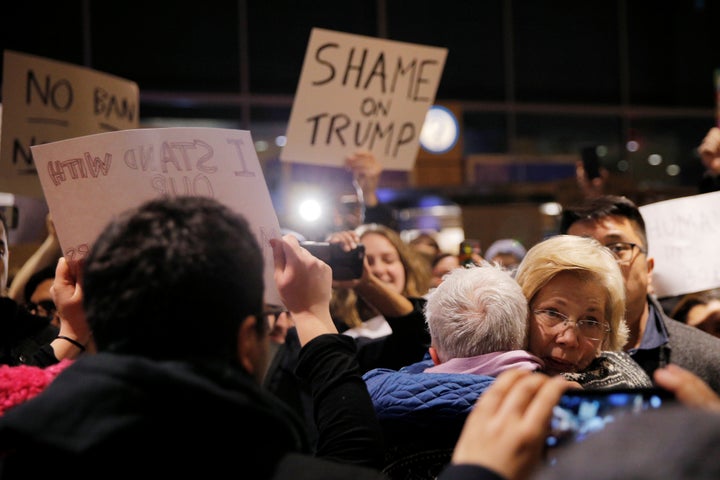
pixel 357 92
pixel 684 239
pixel 88 180
pixel 46 100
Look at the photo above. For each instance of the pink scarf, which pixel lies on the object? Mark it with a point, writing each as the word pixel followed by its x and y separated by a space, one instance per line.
pixel 491 364
pixel 21 383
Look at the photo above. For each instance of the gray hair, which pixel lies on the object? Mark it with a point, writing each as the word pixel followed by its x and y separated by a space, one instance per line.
pixel 477 310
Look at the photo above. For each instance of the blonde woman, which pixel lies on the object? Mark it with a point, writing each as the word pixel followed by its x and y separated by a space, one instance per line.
pixel 576 299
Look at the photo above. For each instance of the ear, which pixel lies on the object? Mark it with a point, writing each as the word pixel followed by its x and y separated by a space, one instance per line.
pixel 434 356
pixel 650 267
pixel 249 344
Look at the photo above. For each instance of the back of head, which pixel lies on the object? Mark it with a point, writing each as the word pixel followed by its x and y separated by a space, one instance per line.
pixel 603 206
pixel 36 279
pixel 173 279
pixel 590 261
pixel 477 310
pixel 513 249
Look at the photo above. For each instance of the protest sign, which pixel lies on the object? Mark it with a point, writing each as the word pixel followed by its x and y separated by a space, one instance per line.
pixel 46 100
pixel 88 180
pixel 683 237
pixel 358 92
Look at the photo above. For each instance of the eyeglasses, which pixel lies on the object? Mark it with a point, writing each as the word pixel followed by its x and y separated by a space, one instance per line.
pixel 43 308
pixel 588 328
pixel 272 312
pixel 624 252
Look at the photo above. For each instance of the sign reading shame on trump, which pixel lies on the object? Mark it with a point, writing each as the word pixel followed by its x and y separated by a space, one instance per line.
pixel 358 92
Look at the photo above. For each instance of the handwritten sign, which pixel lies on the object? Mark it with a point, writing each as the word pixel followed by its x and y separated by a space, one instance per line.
pixel 358 92
pixel 46 100
pixel 88 180
pixel 684 239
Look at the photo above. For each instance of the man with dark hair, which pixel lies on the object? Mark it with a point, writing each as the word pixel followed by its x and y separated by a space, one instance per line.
pixel 173 294
pixel 655 339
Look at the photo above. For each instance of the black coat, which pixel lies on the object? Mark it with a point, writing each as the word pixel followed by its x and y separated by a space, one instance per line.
pixel 122 415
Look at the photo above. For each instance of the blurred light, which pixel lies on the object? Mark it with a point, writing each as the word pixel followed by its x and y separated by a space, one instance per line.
pixel 632 146
pixel 310 210
pixel 655 159
pixel 672 170
pixel 601 150
pixel 551 209
pixel 623 166
pixel 280 140
pixel 261 146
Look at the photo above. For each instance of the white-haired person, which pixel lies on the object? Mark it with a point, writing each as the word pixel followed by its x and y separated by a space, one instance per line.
pixel 477 319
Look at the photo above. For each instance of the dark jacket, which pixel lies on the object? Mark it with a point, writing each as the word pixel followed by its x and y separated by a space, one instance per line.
pixel 25 338
pixel 688 347
pixel 122 415
pixel 407 344
pixel 421 411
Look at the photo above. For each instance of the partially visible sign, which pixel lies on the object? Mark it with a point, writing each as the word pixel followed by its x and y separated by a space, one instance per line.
pixel 46 100
pixel 684 239
pixel 358 92
pixel 88 180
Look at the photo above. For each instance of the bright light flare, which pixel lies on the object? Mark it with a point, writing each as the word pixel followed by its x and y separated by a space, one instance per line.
pixel 310 210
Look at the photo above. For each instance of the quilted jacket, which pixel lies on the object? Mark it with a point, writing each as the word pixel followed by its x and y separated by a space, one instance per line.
pixel 423 409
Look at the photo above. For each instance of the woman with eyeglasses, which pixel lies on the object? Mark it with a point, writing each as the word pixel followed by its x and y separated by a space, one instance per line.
pixel 576 299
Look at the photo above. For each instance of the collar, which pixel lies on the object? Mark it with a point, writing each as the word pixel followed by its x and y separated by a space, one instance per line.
pixel 655 334
pixel 491 364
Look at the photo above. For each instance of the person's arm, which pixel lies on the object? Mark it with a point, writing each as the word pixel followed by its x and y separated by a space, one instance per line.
pixel 74 335
pixel 505 432
pixel 366 171
pixel 305 286
pixel 46 254
pixel 347 428
pixel 709 151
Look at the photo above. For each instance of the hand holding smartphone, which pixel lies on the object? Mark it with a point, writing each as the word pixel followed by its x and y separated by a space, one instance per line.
pixel 581 413
pixel 344 265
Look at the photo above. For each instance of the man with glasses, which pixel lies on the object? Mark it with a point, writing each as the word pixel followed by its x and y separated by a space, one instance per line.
pixel 655 339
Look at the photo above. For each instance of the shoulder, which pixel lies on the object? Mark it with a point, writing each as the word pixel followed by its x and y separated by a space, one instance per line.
pixel 691 338
pixel 404 391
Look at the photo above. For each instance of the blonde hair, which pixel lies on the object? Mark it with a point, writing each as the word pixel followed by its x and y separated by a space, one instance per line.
pixel 346 306
pixel 590 260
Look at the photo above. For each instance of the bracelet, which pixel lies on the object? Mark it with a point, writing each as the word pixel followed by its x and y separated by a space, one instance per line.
pixel 73 341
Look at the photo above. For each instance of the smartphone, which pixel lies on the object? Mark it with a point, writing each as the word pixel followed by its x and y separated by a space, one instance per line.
pixel 344 265
pixel 591 162
pixel 469 248
pixel 581 413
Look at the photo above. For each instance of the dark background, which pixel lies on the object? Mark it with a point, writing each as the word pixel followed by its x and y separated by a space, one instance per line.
pixel 531 77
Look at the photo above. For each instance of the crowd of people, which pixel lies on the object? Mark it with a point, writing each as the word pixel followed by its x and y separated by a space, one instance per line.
pixel 157 350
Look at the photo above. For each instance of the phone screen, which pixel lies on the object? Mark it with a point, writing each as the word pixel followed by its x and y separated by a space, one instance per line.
pixel 581 413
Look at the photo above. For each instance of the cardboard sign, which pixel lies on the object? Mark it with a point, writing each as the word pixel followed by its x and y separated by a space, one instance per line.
pixel 684 239
pixel 46 100
pixel 88 180
pixel 358 92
